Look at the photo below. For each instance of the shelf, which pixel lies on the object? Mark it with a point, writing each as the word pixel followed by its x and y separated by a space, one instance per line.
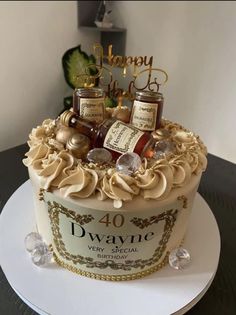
pixel 114 36
pixel 103 29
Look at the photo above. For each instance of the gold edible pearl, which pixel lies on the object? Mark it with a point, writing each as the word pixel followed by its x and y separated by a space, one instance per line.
pixel 122 113
pixel 64 133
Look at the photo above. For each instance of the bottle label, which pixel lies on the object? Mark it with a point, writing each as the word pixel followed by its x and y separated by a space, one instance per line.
pixel 92 109
pixel 144 115
pixel 122 138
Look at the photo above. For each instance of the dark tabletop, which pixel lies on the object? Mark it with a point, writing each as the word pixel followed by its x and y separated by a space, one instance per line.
pixel 218 187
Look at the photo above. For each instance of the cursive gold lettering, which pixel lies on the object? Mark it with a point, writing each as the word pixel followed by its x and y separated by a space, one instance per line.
pixel 138 61
pixel 149 63
pixel 120 61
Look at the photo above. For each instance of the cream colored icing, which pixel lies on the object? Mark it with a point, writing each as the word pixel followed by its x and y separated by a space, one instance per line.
pixel 119 186
pixel 80 183
pixel 155 182
pixel 58 168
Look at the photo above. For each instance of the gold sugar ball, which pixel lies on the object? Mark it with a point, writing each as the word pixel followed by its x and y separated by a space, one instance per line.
pixel 79 145
pixel 108 112
pixel 122 113
pixel 64 133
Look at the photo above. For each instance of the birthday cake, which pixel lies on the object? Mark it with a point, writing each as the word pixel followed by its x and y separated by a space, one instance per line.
pixel 108 224
pixel 114 187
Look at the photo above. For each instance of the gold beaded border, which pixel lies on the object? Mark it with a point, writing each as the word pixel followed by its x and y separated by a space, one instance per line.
pixel 96 276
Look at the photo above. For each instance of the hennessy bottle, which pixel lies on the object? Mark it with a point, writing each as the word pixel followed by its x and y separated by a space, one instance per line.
pixel 114 135
pixel 147 110
pixel 88 103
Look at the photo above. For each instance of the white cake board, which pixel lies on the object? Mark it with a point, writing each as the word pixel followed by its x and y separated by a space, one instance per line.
pixel 56 291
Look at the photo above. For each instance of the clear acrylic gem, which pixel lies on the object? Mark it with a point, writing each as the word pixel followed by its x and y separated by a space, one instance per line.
pixel 179 258
pixel 99 155
pixel 41 255
pixel 32 240
pixel 128 163
pixel 163 148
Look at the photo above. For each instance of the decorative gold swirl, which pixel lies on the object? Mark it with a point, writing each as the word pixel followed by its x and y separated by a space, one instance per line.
pixel 149 84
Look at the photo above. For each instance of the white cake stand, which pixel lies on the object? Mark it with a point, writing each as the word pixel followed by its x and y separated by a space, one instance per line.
pixel 56 291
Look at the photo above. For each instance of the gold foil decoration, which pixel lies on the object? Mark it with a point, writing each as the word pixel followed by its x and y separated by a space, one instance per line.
pixel 184 199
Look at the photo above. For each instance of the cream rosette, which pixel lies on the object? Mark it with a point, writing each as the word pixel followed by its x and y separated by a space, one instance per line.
pixel 181 170
pixel 80 182
pixel 42 133
pixel 118 186
pixel 155 182
pixel 197 160
pixel 183 140
pixel 55 168
pixel 36 155
pixel 170 126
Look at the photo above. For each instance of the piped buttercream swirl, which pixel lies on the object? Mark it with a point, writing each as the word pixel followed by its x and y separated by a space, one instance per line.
pixel 119 186
pixel 59 169
pixel 156 181
pixel 80 182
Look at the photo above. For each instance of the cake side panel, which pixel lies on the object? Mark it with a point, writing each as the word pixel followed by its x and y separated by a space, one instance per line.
pixel 181 225
pixel 116 242
pixel 40 208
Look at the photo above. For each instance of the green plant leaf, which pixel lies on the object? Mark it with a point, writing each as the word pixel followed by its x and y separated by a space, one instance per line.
pixel 110 102
pixel 74 63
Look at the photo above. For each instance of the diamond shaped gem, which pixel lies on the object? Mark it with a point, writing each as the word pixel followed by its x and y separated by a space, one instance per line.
pixel 128 163
pixel 41 255
pixel 32 240
pixel 163 148
pixel 179 258
pixel 99 155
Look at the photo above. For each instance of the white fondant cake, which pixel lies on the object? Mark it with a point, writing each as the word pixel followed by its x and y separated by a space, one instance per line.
pixel 75 213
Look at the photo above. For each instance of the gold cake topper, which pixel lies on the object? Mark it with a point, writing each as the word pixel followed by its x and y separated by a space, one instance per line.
pixel 140 67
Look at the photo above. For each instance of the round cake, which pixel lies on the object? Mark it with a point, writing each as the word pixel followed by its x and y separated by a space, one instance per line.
pixel 107 224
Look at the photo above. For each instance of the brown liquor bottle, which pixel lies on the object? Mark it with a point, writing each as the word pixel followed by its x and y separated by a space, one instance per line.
pixel 114 135
pixel 147 110
pixel 88 103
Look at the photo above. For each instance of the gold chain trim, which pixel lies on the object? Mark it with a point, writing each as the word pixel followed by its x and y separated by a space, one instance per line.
pixel 41 194
pixel 96 276
pixel 184 200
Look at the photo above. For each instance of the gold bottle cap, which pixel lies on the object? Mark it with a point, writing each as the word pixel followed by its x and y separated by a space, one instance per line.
pixel 90 92
pixel 79 145
pixel 146 96
pixel 65 117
